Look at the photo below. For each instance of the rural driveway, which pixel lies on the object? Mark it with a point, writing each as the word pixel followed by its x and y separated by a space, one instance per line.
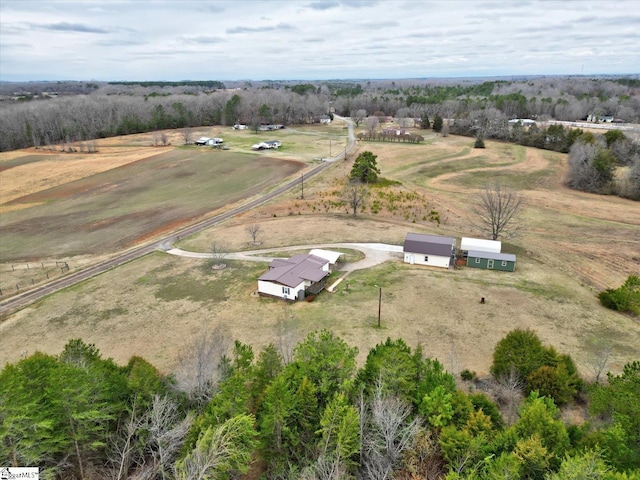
pixel 375 253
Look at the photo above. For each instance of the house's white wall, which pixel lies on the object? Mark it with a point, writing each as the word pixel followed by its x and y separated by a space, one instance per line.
pixel 434 260
pixel 275 289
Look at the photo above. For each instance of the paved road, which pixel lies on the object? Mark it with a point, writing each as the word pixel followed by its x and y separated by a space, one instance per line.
pixel 18 301
pixel 375 253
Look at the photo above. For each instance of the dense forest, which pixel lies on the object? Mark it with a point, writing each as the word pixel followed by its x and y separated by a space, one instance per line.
pixel 309 412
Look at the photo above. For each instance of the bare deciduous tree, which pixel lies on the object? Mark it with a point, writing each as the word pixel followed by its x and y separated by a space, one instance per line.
pixel 219 252
pixel 598 361
pixel 372 123
pixel 122 445
pixel 166 433
pixel 187 135
pixel 358 116
pixel 164 138
pixel 354 194
pixel 495 211
pixel 508 390
pixel 387 432
pixel 253 230
pixel 197 373
pixel 161 430
pixel 288 334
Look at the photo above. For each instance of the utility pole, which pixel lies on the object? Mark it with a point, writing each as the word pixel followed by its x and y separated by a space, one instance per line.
pixel 379 303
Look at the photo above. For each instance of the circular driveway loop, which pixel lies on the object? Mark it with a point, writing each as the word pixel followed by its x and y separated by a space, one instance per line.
pixel 375 253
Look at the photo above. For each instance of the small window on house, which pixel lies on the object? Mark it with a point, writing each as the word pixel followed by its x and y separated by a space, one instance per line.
pixel 285 291
pixel 477 260
pixel 426 258
pixel 504 263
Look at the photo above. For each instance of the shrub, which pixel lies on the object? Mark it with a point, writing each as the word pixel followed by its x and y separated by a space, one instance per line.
pixel 467 375
pixel 479 143
pixel 625 298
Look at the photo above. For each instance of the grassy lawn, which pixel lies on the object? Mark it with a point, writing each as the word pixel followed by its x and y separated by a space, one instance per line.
pixel 571 245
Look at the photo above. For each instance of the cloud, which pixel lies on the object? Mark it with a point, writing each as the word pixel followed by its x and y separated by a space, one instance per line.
pixel 324 5
pixel 314 39
pixel 203 39
pixel 71 27
pixel 120 43
pixel 266 28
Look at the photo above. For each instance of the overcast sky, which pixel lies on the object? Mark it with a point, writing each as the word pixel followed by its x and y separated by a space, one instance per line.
pixel 315 39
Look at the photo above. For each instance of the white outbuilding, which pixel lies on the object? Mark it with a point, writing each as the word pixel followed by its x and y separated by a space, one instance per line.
pixel 480 245
pixel 432 250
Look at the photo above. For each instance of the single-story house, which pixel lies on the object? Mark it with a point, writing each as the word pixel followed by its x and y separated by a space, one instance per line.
pixel 491 261
pixel 268 145
pixel 240 126
pixel 330 255
pixel 326 120
pixel 525 122
pixel 295 277
pixel 432 250
pixel 480 245
pixel 212 142
pixel 268 128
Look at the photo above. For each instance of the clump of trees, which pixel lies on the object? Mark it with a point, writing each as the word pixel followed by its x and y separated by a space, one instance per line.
pixel 594 160
pixel 625 298
pixel 521 355
pixel 316 415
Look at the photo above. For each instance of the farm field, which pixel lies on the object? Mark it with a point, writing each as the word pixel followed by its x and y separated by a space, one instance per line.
pixel 570 246
pixel 105 209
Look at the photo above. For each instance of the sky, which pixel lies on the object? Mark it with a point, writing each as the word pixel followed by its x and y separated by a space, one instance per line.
pixel 315 39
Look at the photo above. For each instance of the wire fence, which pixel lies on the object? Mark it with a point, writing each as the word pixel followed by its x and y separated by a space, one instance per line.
pixel 19 277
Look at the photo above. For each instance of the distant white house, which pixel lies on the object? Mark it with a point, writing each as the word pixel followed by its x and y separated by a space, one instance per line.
pixel 268 128
pixel 325 120
pixel 294 278
pixel 212 142
pixel 240 126
pixel 480 245
pixel 525 122
pixel 432 250
pixel 269 144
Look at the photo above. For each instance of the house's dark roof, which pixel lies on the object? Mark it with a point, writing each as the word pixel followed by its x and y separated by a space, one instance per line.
pixel 293 271
pixel 429 244
pixel 492 256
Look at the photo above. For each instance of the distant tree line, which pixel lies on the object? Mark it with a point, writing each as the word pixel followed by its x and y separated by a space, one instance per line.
pixel 81 118
pixel 307 412
pixel 119 108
